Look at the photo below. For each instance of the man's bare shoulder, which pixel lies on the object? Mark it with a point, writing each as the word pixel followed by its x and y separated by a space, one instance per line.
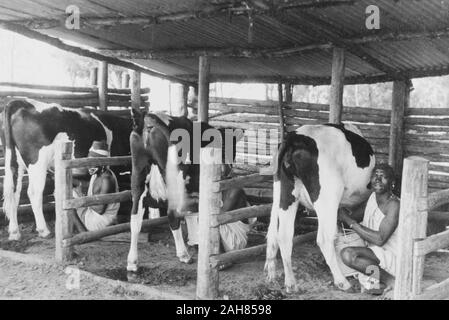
pixel 393 207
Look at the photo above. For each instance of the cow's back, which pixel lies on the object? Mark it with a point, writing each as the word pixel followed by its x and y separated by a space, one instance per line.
pixel 344 157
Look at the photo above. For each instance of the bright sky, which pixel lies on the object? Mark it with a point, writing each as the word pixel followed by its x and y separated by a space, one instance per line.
pixel 30 61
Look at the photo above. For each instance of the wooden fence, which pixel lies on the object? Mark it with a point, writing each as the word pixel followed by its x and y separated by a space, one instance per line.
pixel 427 135
pixel 257 116
pixel 426 131
pixel 413 244
pixel 210 219
pixel 66 206
pixel 71 97
pixel 119 102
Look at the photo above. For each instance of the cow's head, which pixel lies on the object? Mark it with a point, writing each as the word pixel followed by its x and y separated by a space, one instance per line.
pixel 155 135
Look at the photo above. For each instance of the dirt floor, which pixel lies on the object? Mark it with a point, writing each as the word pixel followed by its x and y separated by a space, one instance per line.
pixel 161 272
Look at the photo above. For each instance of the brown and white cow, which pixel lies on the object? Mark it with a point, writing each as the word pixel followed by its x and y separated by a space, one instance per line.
pixel 158 179
pixel 31 131
pixel 322 167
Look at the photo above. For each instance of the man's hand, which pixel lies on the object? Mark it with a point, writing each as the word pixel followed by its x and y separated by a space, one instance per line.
pixel 345 217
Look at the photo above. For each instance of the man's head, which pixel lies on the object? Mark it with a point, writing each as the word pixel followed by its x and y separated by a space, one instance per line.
pixel 99 149
pixel 383 178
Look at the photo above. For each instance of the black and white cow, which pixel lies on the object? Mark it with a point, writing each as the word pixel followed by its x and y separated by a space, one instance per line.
pixel 321 167
pixel 158 180
pixel 31 131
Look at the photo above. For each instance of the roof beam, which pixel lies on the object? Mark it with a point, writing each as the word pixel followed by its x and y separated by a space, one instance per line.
pixel 269 53
pixel 328 32
pixel 84 52
pixel 317 81
pixel 216 9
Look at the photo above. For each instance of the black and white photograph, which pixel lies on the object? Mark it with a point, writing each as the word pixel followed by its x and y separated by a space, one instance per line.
pixel 243 152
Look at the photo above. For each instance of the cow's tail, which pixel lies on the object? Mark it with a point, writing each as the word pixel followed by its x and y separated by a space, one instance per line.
pixel 10 188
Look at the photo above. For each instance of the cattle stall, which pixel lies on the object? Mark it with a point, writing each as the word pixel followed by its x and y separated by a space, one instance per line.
pixel 292 42
pixel 119 102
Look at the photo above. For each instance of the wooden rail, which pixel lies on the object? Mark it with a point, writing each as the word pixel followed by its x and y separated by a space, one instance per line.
pixel 240 214
pixel 95 162
pixel 65 204
pixel 413 244
pixel 246 254
pixel 90 236
pixel 97 199
pixel 240 182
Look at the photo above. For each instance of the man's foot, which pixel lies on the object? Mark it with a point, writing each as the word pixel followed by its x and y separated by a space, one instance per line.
pixel 377 291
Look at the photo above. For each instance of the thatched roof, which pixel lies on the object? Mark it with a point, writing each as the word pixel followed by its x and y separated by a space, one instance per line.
pixel 290 40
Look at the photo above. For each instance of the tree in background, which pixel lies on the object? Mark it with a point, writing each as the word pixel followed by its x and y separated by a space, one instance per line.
pixel 79 69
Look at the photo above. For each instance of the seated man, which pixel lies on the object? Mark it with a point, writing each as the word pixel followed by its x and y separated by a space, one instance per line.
pixel 378 229
pixel 102 181
pixel 234 235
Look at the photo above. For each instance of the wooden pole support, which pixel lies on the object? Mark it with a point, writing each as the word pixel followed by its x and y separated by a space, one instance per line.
pixel 93 77
pixel 281 111
pixel 337 86
pixel 401 95
pixel 412 225
pixel 203 89
pixel 135 89
pixel 178 99
pixel 288 92
pixel 209 242
pixel 185 96
pixel 125 80
pixel 103 85
pixel 63 192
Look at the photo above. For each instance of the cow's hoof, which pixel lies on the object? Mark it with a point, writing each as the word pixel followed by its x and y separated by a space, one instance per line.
pixel 132 266
pixel 14 236
pixel 270 269
pixel 343 286
pixel 45 233
pixel 132 277
pixel 291 288
pixel 271 277
pixel 186 259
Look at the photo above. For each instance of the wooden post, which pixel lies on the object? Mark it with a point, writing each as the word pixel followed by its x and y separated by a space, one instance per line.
pixel 288 92
pixel 209 207
pixel 185 97
pixel 178 99
pixel 63 191
pixel 412 223
pixel 135 89
pixel 281 111
pixel 194 102
pixel 103 86
pixel 94 77
pixel 337 86
pixel 125 80
pixel 203 88
pixel 401 94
